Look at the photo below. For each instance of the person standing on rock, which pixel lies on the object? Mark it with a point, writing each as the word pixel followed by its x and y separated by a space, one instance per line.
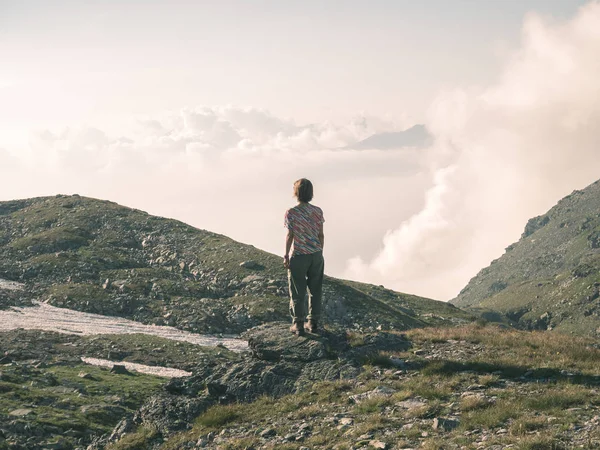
pixel 305 263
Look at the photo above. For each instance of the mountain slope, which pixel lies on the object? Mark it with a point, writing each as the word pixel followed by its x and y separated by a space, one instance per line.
pixel 96 256
pixel 550 278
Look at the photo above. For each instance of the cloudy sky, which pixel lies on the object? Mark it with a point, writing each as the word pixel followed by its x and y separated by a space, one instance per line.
pixel 208 111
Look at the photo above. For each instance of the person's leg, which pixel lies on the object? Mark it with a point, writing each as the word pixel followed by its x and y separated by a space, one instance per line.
pixel 315 286
pixel 297 283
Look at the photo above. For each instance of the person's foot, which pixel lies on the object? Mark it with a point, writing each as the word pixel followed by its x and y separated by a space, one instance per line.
pixel 311 326
pixel 297 328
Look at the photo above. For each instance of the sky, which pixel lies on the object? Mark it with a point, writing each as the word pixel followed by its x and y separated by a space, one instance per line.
pixel 208 111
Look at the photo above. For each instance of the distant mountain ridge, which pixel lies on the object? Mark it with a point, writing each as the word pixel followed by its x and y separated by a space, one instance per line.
pixel 550 278
pixel 417 136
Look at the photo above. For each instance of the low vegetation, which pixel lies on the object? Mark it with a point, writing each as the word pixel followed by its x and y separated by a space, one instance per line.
pixel 61 407
pixel 516 390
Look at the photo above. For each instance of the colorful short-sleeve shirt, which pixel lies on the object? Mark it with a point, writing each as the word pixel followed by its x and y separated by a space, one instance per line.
pixel 305 221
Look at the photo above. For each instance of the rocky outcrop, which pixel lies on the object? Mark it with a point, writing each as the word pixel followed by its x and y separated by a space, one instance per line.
pixel 277 364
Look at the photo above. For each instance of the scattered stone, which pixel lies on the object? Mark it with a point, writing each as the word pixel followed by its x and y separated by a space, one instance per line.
pixel 378 444
pixel 411 404
pixel 86 376
pixel 397 362
pixel 379 391
pixel 475 387
pixel 444 424
pixel 251 278
pixel 304 427
pixel 21 412
pixel 347 421
pixel 120 369
pixel 268 432
pixel 252 265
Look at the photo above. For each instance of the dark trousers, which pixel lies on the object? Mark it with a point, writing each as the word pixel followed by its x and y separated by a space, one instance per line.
pixel 306 271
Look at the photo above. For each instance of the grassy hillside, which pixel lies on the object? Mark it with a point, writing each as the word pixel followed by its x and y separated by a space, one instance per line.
pixel 550 278
pixel 97 256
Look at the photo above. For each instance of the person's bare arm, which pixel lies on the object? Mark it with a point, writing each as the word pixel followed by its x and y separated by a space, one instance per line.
pixel 322 236
pixel 289 239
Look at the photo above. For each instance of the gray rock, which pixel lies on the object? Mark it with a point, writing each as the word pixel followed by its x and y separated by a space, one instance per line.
pixel 399 363
pixel 276 343
pixel 269 432
pixel 252 265
pixel 277 364
pixel 120 369
pixel 251 278
pixel 411 404
pixel 379 391
pixel 444 424
pixel 20 412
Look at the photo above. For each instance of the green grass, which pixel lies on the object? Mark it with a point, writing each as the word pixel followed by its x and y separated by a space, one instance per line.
pixel 372 405
pixel 139 440
pixel 559 398
pixel 514 352
pixel 218 416
pixel 526 424
pixel 62 400
pixel 495 416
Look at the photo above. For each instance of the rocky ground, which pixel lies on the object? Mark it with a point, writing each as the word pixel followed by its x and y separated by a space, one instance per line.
pixel 469 387
pixel 472 387
pixel 50 399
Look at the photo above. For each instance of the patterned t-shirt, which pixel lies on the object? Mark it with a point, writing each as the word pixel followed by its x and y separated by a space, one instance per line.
pixel 305 221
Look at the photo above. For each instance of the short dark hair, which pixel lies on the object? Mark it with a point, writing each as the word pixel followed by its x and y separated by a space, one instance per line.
pixel 303 190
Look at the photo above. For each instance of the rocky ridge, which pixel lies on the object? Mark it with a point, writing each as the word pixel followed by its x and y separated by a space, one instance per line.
pixel 96 256
pixel 550 278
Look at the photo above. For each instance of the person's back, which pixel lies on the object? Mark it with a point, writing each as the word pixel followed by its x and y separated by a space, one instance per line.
pixel 304 223
pixel 305 220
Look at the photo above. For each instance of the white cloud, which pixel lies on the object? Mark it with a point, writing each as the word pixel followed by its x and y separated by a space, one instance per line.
pixel 503 154
pixel 231 170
